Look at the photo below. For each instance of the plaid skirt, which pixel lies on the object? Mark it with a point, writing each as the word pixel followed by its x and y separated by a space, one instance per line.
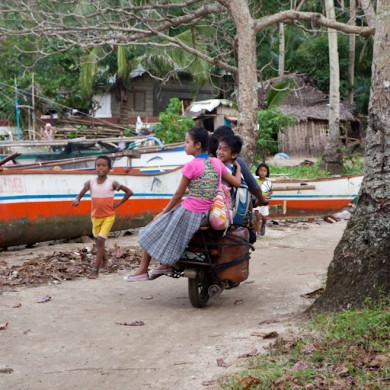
pixel 166 238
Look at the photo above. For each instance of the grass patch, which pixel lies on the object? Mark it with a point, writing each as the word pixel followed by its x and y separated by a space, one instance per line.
pixel 351 167
pixel 348 350
pixel 300 171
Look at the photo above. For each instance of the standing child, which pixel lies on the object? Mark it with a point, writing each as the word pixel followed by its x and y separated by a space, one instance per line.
pixel 262 212
pixel 103 207
pixel 121 143
pixel 167 236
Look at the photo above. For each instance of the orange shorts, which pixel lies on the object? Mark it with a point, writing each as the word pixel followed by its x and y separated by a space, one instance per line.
pixel 101 226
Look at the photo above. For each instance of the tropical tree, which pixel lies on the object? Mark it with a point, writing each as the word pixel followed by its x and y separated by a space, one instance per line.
pixel 332 156
pixel 360 269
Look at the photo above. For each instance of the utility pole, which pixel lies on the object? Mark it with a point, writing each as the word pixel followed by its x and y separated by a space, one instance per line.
pixel 17 110
pixel 33 105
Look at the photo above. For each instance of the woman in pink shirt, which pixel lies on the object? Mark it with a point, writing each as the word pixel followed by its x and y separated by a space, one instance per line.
pixel 167 236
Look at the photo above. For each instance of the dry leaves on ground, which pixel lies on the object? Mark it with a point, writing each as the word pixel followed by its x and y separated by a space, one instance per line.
pixel 62 266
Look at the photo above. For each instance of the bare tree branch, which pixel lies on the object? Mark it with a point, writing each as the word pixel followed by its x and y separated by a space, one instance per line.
pixel 286 16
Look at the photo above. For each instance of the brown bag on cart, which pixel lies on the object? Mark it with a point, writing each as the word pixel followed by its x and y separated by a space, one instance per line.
pixel 232 262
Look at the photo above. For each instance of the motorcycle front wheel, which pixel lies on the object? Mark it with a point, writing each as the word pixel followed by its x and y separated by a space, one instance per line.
pixel 198 292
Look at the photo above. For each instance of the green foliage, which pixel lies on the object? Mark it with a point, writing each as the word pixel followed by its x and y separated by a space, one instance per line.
pixel 76 133
pixel 352 162
pixel 173 126
pixel 345 350
pixel 301 171
pixel 271 121
pixel 352 166
pixel 57 72
pixel 312 58
pixel 279 92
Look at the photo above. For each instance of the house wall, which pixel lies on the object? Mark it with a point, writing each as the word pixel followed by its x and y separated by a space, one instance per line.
pixel 304 139
pixel 223 111
pixel 139 99
pixel 148 97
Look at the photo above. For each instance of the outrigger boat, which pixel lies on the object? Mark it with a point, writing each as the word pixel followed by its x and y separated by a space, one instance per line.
pixel 295 198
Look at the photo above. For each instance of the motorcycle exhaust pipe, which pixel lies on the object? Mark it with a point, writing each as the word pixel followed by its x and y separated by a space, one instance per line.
pixel 190 273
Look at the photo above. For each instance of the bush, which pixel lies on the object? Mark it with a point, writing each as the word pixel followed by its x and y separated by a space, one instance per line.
pixel 173 126
pixel 271 121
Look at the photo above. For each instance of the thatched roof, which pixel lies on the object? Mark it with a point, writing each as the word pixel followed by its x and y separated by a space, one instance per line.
pixel 305 101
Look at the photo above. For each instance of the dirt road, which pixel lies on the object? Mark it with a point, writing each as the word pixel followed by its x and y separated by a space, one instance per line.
pixel 75 341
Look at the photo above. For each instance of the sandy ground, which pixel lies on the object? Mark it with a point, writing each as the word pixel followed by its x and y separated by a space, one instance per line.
pixel 74 341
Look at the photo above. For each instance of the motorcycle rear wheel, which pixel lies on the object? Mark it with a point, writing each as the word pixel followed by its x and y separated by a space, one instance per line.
pixel 198 292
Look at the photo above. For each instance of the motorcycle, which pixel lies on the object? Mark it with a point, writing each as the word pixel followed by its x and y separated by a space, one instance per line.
pixel 214 261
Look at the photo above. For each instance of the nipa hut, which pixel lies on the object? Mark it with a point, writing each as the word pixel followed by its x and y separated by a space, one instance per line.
pixel 309 135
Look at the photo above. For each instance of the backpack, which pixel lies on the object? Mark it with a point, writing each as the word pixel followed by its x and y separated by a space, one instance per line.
pixel 241 199
pixel 240 205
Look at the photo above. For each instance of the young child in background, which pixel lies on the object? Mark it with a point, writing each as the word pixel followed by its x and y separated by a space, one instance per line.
pixel 121 143
pixel 262 212
pixel 103 207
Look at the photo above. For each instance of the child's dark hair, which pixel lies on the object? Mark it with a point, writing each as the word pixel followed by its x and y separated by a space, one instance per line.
pixel 219 132
pixel 234 142
pixel 199 134
pixel 260 166
pixel 104 158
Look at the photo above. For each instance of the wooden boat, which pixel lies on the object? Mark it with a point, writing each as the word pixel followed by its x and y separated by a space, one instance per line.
pixel 36 204
pixel 74 154
pixel 155 160
pixel 294 198
pixel 28 153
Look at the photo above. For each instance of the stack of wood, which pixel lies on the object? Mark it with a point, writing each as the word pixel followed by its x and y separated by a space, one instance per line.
pixel 88 128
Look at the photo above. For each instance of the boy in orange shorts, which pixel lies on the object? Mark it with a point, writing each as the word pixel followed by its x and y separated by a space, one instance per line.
pixel 103 207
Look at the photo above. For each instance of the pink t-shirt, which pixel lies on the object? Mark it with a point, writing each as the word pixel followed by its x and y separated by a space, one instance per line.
pixel 192 170
pixel 102 196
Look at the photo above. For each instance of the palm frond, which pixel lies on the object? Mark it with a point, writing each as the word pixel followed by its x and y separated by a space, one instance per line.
pixel 89 63
pixel 279 92
pixel 122 69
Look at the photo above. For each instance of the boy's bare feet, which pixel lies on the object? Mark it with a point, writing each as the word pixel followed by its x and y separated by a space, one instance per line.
pixel 94 274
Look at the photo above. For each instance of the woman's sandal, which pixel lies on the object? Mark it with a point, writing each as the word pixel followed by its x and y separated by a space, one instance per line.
pixel 136 278
pixel 155 273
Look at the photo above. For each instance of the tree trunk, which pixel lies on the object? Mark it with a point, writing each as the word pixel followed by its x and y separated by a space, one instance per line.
pixel 360 268
pixel 121 96
pixel 247 83
pixel 352 50
pixel 368 10
pixel 281 50
pixel 332 156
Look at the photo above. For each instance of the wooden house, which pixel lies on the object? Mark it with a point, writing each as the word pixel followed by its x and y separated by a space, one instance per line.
pixel 309 135
pixel 148 96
